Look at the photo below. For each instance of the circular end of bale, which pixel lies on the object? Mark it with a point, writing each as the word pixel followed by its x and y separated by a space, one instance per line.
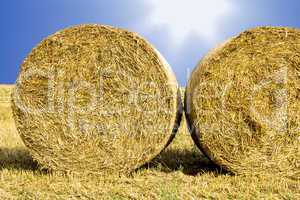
pixel 243 102
pixel 95 99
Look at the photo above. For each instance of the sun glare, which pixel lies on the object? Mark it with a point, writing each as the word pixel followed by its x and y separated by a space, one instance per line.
pixel 184 17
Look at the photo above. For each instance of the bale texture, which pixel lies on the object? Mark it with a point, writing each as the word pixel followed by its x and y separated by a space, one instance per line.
pixel 95 99
pixel 243 103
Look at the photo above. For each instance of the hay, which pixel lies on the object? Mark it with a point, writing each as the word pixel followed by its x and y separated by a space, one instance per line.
pixel 242 103
pixel 95 99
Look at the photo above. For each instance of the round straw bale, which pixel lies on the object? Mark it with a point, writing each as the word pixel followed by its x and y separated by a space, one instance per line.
pixel 243 102
pixel 95 99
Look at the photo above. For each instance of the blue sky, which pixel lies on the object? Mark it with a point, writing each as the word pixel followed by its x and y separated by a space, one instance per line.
pixel 183 31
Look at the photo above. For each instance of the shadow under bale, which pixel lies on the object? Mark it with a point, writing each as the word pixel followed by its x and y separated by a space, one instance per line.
pixel 190 162
pixel 16 158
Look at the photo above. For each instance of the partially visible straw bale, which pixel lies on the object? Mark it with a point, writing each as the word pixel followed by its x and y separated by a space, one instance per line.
pixel 243 103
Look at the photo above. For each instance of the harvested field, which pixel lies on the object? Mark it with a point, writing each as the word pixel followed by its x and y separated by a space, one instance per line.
pixel 180 172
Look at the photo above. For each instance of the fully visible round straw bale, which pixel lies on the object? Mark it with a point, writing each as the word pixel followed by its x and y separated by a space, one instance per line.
pixel 95 99
pixel 243 103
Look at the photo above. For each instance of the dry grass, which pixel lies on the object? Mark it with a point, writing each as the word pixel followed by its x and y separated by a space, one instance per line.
pixel 181 172
pixel 109 101
pixel 244 103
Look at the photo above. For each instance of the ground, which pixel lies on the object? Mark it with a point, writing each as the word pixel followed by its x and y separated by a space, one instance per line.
pixel 180 172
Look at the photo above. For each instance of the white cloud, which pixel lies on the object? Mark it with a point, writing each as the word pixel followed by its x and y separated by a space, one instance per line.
pixel 184 17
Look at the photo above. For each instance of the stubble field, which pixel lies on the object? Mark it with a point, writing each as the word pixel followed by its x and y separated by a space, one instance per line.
pixel 180 172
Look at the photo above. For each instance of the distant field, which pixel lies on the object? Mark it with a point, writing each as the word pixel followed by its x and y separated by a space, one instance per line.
pixel 181 172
